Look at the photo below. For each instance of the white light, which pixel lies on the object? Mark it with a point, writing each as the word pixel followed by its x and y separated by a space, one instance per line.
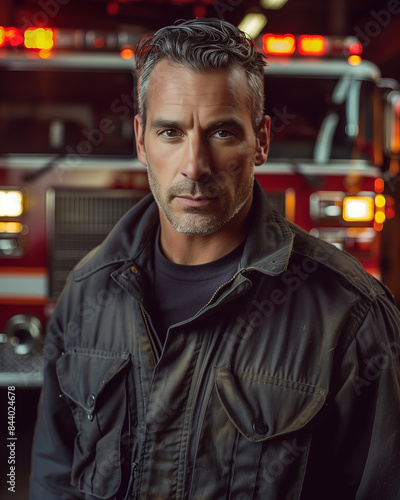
pixel 252 24
pixel 358 209
pixel 11 203
pixel 272 4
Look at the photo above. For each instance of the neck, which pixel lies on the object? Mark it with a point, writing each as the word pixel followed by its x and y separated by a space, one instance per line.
pixel 185 249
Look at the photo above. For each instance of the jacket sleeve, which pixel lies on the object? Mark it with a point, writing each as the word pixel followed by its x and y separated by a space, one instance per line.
pixel 376 390
pixel 55 431
pixel 356 447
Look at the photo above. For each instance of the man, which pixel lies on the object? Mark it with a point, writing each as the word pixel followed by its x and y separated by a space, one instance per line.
pixel 209 349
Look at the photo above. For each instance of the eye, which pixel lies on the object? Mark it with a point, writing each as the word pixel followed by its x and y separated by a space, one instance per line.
pixel 222 134
pixel 171 132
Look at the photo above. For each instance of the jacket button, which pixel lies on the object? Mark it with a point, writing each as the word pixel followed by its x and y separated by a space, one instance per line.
pixel 90 400
pixel 134 270
pixel 260 426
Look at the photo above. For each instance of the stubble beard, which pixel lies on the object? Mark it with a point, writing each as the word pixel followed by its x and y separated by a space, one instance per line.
pixel 194 222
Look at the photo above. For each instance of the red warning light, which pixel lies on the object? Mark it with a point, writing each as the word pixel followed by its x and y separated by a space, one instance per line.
pixel 98 42
pixel 390 207
pixel 279 44
pixel 15 37
pixel 379 185
pixel 113 8
pixel 356 49
pixel 10 37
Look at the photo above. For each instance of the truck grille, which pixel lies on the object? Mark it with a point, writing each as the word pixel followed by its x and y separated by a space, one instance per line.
pixel 79 220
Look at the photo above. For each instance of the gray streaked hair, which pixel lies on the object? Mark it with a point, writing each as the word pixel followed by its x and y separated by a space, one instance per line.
pixel 202 45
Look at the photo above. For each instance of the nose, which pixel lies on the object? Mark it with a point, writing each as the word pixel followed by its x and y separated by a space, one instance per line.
pixel 196 162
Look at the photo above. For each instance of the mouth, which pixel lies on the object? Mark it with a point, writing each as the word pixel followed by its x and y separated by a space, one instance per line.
pixel 194 201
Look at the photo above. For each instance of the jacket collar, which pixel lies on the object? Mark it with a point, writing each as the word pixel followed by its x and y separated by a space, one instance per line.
pixel 270 240
pixel 267 249
pixel 126 242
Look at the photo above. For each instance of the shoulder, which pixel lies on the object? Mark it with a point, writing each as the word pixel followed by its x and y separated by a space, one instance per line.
pixel 130 239
pixel 334 264
pixel 338 291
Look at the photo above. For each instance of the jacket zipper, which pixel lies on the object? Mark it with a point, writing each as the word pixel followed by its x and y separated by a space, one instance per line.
pixel 221 287
pixel 149 331
pixel 150 335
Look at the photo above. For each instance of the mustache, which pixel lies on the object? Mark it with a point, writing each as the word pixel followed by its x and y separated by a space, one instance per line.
pixel 207 188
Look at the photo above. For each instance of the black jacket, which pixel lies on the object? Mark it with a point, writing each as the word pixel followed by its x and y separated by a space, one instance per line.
pixel 285 386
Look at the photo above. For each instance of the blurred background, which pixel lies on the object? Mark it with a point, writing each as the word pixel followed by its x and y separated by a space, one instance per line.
pixel 375 22
pixel 67 157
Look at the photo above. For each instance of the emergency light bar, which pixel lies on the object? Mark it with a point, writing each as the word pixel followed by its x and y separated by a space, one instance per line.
pixel 30 38
pixel 310 45
pixel 44 40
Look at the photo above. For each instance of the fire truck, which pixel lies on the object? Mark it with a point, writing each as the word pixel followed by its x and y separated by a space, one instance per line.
pixel 69 171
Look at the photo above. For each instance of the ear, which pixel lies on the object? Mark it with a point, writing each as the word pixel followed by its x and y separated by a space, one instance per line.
pixel 139 134
pixel 263 136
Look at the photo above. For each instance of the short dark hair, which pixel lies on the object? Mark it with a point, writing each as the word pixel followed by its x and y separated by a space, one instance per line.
pixel 201 45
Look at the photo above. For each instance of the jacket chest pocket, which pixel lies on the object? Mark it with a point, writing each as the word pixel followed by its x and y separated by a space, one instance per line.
pixel 94 385
pixel 273 418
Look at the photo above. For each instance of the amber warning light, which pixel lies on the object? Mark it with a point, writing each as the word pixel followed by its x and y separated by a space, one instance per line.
pixel 39 38
pixel 312 45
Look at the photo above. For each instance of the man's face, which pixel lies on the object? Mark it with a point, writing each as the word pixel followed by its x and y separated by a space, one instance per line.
pixel 199 146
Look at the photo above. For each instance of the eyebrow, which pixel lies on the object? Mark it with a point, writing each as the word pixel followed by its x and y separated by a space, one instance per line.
pixel 230 123
pixel 164 123
pixel 167 124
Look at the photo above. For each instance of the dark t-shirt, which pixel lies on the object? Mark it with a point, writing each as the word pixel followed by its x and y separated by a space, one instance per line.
pixel 181 291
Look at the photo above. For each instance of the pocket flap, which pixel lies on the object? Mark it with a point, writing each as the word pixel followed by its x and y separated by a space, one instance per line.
pixel 262 407
pixel 83 373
